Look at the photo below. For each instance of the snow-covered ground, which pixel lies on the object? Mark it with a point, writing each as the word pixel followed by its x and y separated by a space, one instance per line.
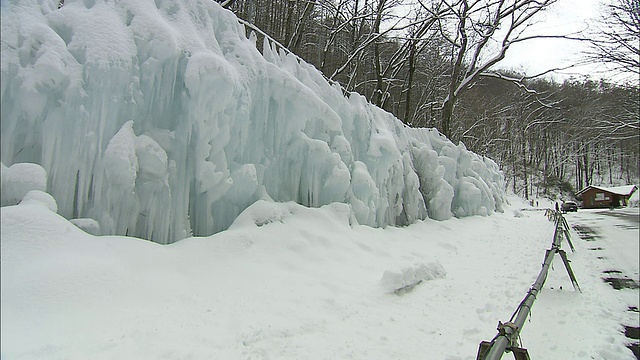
pixel 290 282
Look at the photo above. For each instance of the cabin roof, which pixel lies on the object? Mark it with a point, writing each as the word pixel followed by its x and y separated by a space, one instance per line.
pixel 626 190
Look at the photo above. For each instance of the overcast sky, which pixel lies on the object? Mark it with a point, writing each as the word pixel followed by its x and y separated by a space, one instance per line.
pixel 538 55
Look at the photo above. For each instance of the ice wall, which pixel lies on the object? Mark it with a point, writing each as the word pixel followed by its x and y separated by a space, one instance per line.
pixel 161 119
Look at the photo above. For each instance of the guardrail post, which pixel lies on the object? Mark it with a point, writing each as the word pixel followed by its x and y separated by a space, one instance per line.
pixel 572 276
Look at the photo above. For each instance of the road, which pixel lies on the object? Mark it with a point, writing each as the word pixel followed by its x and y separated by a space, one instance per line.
pixel 626 214
pixel 614 239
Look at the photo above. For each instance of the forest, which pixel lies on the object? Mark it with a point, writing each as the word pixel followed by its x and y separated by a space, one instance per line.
pixel 433 63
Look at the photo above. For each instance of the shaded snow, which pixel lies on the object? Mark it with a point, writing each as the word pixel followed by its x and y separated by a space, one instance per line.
pixel 160 119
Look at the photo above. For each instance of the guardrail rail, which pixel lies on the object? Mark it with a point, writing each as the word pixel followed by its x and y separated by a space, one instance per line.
pixel 508 333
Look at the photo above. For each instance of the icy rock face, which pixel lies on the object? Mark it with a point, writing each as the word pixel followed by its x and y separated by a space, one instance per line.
pixel 161 119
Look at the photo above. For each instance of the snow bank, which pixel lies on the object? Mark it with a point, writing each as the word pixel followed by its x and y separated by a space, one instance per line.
pixel 306 284
pixel 161 119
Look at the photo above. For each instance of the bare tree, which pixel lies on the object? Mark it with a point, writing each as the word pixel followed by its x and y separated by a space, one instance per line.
pixel 480 32
pixel 433 64
pixel 617 41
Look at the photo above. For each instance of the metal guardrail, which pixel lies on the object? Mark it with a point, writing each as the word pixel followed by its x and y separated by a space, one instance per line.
pixel 509 332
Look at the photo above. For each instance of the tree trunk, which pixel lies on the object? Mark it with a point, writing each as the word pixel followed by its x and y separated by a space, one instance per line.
pixel 412 69
pixel 609 161
pixel 524 170
pixel 378 96
pixel 585 164
pixel 578 173
pixel 377 92
pixel 447 112
pixel 545 170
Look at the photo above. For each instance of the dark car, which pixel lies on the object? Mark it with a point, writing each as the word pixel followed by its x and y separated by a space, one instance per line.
pixel 569 206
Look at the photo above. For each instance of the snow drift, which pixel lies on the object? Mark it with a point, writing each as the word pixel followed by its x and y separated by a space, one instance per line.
pixel 290 282
pixel 160 119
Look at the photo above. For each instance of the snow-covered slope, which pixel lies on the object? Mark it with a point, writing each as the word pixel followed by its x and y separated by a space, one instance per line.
pixel 161 119
pixel 290 282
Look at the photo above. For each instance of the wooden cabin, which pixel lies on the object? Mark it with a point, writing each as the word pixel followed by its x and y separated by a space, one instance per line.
pixel 594 197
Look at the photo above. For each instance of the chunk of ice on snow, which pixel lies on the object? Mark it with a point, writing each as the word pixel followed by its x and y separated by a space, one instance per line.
pixel 405 279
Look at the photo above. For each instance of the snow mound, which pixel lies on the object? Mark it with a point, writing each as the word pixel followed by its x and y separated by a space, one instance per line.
pixel 90 226
pixel 19 179
pixel 400 281
pixel 262 213
pixel 40 198
pixel 518 213
pixel 161 119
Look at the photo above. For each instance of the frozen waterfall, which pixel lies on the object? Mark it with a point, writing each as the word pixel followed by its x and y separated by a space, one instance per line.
pixel 160 119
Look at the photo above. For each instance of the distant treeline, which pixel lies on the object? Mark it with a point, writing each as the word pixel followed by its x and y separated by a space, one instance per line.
pixel 431 64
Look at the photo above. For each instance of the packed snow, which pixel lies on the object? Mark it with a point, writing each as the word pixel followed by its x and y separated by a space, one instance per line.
pixel 19 179
pixel 291 282
pixel 160 119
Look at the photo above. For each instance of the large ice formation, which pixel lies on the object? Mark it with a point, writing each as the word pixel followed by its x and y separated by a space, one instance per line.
pixel 161 119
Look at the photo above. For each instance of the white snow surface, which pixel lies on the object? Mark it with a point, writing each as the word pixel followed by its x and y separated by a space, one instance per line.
pixel 160 119
pixel 291 282
pixel 41 198
pixel 89 226
pixel 19 179
pixel 634 200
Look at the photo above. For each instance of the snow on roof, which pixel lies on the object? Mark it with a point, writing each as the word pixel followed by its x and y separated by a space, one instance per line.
pixel 618 190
